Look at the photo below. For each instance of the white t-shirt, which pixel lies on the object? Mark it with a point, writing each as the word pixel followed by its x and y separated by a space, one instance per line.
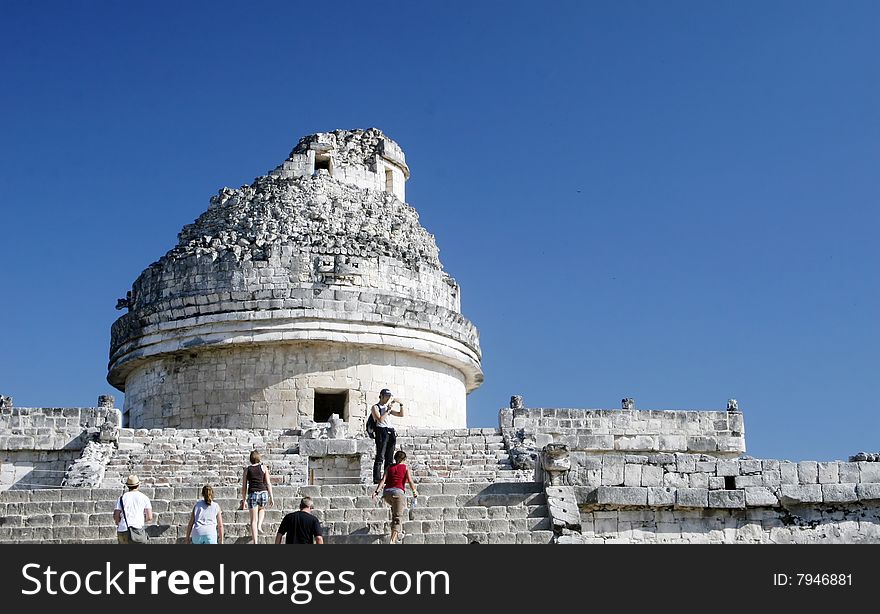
pixel 205 522
pixel 135 503
pixel 387 423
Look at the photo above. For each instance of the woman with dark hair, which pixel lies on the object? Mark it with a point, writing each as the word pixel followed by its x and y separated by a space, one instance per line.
pixel 206 521
pixel 256 492
pixel 392 486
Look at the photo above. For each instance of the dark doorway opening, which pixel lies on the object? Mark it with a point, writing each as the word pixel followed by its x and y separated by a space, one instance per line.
pixel 322 162
pixel 328 403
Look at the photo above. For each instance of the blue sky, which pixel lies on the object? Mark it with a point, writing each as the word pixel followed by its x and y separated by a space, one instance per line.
pixel 675 202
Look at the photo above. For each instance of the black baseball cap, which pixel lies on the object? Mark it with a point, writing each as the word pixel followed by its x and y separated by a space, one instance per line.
pixel 384 392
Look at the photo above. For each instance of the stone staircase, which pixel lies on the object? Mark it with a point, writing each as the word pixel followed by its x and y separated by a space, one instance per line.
pixel 449 512
pixel 461 455
pixel 204 456
pixel 468 490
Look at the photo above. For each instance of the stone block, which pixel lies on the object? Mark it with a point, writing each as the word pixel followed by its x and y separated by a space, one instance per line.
pixel 808 472
pixel 635 442
pixel 685 463
pixel 595 442
pixel 672 443
pixel 652 476
pixel 716 483
pixel 705 466
pixel 800 493
pixel 772 477
pixel 869 472
pixel 676 480
pixel 829 473
pixel 727 468
pixel 701 443
pixel 729 499
pixel 839 493
pixel 313 447
pixel 848 473
pixel 868 491
pixel 565 514
pixel 692 497
pixel 661 495
pixel 749 466
pixel 699 480
pixel 632 475
pixel 341 447
pixel 619 495
pixel 788 473
pixel 760 496
pixel 612 471
pixel 743 481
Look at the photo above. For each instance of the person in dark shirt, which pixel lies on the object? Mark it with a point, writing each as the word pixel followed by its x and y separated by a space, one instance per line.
pixel 301 527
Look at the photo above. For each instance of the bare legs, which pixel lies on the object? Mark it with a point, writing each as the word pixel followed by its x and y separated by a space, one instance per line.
pixel 256 517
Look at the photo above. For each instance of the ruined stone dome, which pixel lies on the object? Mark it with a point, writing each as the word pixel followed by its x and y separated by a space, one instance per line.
pixel 321 250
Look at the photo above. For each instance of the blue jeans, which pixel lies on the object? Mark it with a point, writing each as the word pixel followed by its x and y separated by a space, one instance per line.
pixel 386 441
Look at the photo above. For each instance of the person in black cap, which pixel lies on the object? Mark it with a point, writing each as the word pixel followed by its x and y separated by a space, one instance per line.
pixel 386 438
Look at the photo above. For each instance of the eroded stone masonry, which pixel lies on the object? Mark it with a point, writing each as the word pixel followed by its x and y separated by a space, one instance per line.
pixel 273 324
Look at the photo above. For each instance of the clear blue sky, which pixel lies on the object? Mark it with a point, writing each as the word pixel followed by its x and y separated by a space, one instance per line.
pixel 675 202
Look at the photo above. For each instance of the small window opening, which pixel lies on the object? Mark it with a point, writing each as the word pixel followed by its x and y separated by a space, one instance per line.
pixel 322 161
pixel 328 403
pixel 729 482
pixel 389 180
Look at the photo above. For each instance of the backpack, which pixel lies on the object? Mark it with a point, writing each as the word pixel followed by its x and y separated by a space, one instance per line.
pixel 371 425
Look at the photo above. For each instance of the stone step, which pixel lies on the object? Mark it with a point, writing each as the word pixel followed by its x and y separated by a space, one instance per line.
pixel 375 520
pixel 338 490
pixel 10 512
pixel 525 537
pixel 89 513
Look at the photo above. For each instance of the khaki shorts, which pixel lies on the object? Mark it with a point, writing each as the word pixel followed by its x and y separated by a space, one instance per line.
pixel 398 507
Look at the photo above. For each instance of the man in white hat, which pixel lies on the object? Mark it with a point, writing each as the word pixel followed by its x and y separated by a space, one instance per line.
pixel 133 510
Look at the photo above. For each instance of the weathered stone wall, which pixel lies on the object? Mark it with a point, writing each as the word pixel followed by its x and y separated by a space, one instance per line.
pixel 308 283
pixel 274 387
pixel 37 445
pixel 842 524
pixel 51 428
pixel 590 431
pixel 358 157
pixel 28 469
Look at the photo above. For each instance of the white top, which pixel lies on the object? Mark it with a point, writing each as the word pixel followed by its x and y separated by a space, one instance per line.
pixel 135 503
pixel 205 518
pixel 387 423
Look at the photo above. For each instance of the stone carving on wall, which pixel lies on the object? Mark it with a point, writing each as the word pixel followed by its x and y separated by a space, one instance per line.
pixel 870 457
pixel 516 402
pixel 106 400
pixel 337 269
pixel 335 428
pixel 523 450
pixel 556 463
pixel 5 402
pixel 732 405
pixel 124 303
pixel 338 429
pixel 627 403
pixel 109 432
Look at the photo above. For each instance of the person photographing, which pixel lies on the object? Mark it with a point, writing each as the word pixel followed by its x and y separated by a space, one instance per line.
pixel 386 438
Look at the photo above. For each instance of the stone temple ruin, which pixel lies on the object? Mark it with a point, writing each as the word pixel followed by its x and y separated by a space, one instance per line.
pixel 272 325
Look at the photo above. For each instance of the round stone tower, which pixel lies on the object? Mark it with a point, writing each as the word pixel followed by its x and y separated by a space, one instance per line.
pixel 298 296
